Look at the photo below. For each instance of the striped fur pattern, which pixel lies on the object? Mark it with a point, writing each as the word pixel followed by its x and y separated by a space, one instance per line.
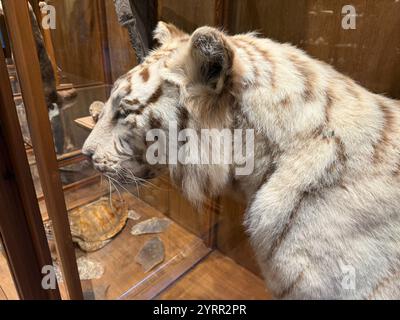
pixel 325 191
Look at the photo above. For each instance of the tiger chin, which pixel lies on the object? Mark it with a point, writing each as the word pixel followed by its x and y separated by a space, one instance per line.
pixel 324 194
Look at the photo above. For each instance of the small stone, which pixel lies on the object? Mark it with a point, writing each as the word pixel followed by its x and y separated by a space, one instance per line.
pixel 153 225
pixel 133 215
pixel 151 254
pixel 88 269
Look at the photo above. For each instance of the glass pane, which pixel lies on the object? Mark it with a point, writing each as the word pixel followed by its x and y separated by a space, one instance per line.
pixel 89 50
pixel 136 240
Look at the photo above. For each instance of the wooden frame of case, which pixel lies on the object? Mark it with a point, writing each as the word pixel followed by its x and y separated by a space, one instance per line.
pixel 19 26
pixel 21 227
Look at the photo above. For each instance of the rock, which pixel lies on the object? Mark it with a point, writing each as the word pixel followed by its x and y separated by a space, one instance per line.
pixel 88 269
pixel 133 215
pixel 153 225
pixel 151 254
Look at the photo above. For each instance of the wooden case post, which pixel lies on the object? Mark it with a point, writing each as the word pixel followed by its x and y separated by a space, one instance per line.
pixel 17 17
pixel 20 220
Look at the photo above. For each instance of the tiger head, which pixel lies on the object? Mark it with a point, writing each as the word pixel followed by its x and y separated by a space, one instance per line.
pixel 186 80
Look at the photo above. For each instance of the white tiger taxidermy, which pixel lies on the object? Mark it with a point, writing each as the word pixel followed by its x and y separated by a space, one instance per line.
pixel 324 195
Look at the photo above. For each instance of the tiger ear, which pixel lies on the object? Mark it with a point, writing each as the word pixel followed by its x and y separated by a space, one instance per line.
pixel 165 32
pixel 212 57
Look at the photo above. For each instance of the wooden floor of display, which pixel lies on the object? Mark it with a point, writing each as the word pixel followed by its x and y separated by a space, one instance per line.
pixel 190 269
pixel 217 277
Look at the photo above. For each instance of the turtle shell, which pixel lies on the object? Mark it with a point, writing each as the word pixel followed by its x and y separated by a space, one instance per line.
pixel 93 225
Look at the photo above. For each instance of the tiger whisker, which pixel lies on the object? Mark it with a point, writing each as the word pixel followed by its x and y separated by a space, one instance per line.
pixel 116 188
pixel 124 178
pixel 145 182
pixel 121 185
pixel 110 199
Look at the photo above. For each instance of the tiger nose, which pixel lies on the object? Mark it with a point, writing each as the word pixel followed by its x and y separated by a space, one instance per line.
pixel 88 148
pixel 88 151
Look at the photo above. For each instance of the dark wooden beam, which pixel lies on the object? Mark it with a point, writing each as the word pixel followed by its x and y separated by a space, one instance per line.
pixel 21 226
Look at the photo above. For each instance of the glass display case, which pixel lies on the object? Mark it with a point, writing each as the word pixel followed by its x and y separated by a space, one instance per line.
pixel 129 241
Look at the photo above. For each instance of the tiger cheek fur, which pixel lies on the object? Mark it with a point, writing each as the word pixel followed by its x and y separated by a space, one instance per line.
pixel 324 195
